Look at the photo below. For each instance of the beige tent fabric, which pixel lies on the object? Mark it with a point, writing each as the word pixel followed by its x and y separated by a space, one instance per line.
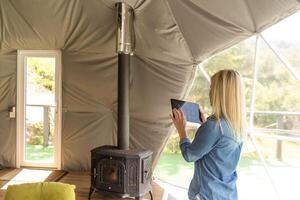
pixel 227 22
pixel 172 37
pixel 8 61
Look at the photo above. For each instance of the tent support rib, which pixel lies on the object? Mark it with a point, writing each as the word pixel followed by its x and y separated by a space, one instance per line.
pixel 255 68
pixel 204 72
pixel 282 59
pixel 252 111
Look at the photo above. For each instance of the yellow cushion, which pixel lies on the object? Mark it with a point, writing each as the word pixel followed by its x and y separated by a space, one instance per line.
pixel 41 191
pixel 28 191
pixel 57 191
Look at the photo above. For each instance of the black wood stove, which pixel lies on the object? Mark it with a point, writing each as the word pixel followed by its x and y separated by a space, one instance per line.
pixel 120 170
pixel 124 172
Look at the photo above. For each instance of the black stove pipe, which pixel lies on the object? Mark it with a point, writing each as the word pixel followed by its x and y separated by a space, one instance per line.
pixel 123 100
pixel 124 48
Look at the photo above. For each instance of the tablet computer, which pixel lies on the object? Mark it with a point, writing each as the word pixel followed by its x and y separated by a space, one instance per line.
pixel 191 110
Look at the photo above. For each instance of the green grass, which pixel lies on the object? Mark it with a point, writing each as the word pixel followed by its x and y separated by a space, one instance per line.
pixel 39 153
pixel 174 169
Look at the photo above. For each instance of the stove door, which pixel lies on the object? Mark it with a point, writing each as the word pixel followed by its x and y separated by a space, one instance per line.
pixel 111 175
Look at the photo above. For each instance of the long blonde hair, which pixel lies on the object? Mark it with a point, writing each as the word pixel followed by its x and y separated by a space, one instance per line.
pixel 228 100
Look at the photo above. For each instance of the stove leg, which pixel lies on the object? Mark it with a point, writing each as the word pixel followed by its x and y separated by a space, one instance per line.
pixel 92 190
pixel 151 195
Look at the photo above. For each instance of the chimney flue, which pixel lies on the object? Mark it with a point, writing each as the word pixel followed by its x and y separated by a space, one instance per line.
pixel 125 32
pixel 124 48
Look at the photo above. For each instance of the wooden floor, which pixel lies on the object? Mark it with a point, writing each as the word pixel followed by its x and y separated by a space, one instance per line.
pixel 82 182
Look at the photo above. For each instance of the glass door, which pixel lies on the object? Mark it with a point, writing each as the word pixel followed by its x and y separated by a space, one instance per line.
pixel 39 108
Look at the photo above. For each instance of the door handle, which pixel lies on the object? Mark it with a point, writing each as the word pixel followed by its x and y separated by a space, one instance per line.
pixel 12 112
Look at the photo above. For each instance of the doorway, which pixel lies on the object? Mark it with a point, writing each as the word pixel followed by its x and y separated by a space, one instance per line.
pixel 39 108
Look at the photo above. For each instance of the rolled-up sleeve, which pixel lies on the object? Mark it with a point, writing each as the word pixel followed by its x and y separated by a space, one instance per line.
pixel 205 140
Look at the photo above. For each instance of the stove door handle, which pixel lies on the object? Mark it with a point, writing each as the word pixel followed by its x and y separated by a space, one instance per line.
pixel 95 174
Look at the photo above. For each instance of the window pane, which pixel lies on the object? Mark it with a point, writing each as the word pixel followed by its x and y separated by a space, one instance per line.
pixel 276 89
pixel 200 90
pixel 40 88
pixel 285 37
pixel 239 57
pixel 252 176
pixel 277 120
pixel 40 109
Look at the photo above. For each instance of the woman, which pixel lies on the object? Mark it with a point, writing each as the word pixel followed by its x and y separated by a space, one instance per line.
pixel 216 148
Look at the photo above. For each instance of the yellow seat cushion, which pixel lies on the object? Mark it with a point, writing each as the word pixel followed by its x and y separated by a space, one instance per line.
pixel 41 191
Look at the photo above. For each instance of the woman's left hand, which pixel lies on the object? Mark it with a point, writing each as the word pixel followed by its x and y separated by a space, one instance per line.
pixel 179 121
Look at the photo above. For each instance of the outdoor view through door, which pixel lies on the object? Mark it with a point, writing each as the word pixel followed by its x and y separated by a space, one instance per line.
pixel 38 108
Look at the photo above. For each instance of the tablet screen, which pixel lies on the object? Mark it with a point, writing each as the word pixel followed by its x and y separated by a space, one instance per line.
pixel 190 110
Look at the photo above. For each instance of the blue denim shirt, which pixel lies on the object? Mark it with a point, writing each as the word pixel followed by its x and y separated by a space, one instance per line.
pixel 215 154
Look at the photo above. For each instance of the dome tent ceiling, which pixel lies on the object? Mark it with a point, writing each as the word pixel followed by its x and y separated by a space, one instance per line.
pixel 172 37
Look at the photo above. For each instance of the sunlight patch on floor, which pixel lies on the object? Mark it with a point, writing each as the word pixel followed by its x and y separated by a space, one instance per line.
pixel 28 176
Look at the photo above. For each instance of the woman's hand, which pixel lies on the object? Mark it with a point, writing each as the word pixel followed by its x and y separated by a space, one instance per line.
pixel 179 121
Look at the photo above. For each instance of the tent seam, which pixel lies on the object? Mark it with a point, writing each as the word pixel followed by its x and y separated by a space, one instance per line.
pixel 181 32
pixel 25 20
pixel 286 14
pixel 69 89
pixel 186 89
pixel 222 20
pixel 68 39
pixel 1 26
pixel 251 15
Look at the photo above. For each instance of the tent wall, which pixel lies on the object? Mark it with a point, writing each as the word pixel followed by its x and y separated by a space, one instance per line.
pixel 227 22
pixel 172 37
pixel 8 74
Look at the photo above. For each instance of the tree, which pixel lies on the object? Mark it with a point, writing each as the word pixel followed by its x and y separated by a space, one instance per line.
pixel 40 77
pixel 44 71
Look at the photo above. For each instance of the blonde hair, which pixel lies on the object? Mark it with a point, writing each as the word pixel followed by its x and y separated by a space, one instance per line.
pixel 228 100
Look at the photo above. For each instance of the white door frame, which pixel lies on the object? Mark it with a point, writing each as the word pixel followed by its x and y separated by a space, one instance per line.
pixel 21 63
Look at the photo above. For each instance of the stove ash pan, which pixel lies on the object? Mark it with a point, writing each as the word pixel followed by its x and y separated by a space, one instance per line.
pixel 127 173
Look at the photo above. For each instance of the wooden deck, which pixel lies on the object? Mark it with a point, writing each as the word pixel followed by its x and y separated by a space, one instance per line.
pixel 82 182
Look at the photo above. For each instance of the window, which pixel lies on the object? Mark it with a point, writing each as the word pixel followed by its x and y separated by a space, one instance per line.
pixel 271 157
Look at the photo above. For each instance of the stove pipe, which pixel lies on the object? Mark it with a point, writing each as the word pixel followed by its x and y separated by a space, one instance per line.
pixel 124 48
